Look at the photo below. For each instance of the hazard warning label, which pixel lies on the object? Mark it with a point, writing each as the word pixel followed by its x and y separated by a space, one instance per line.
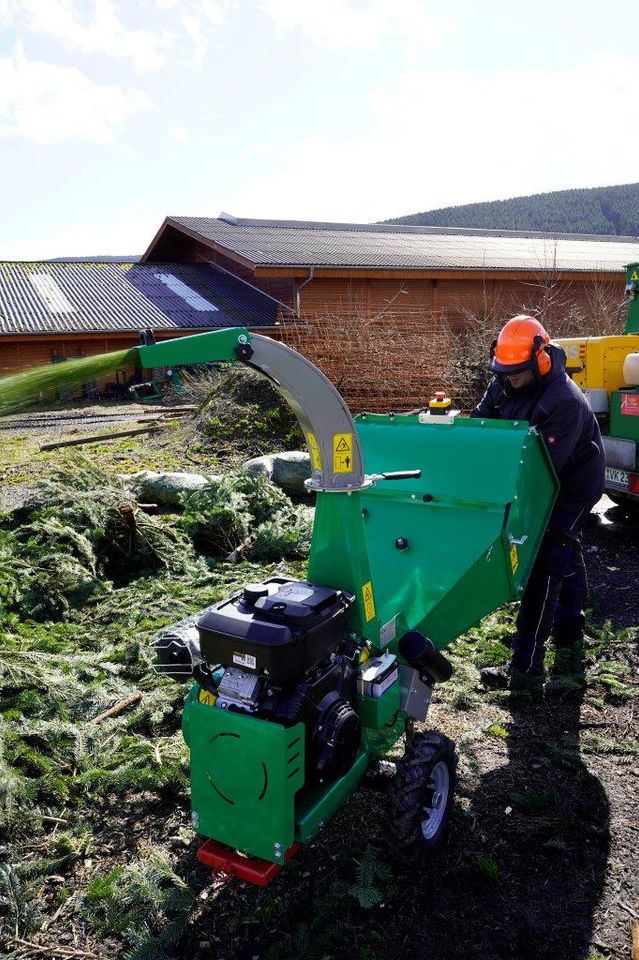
pixel 514 558
pixel 369 602
pixel 205 696
pixel 316 460
pixel 342 452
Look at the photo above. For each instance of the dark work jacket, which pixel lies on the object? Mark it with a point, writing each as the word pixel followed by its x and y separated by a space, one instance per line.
pixel 557 408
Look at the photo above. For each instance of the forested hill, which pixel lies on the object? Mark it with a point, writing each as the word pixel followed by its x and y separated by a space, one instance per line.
pixel 601 210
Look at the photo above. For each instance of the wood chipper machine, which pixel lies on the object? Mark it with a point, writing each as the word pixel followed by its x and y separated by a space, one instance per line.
pixel 423 525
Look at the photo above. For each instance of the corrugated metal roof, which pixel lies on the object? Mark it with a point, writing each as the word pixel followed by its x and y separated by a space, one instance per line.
pixel 112 297
pixel 289 243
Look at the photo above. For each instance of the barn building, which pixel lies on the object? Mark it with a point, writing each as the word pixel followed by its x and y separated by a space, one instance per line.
pixel 388 311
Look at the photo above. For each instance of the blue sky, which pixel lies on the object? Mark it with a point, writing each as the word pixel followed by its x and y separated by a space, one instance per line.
pixel 116 113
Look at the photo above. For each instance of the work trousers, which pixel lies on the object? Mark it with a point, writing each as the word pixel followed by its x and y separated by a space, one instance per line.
pixel 556 591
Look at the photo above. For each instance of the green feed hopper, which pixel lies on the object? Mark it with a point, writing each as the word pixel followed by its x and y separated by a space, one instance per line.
pixel 438 551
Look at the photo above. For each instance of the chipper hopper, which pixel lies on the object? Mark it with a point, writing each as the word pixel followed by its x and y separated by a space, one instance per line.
pixel 423 525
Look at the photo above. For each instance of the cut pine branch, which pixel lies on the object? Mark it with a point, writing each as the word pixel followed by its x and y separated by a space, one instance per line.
pixel 118 708
pixel 79 441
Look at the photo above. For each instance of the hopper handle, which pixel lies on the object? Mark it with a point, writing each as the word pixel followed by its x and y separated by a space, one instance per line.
pixel 513 541
pixel 401 475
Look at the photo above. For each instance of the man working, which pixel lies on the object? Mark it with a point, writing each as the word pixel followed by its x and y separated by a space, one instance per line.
pixel 531 384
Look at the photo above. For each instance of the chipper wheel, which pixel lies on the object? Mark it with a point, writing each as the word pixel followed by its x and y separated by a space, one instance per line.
pixel 421 796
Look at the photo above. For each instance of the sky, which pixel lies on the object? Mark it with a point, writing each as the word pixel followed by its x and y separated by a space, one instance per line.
pixel 117 113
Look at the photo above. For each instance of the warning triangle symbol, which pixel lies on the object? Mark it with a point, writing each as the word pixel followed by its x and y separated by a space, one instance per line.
pixel 342 446
pixel 635 275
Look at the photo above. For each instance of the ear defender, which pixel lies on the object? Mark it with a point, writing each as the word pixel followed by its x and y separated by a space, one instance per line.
pixel 540 358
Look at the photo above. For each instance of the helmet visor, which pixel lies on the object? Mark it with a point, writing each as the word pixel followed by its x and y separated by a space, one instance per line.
pixel 505 369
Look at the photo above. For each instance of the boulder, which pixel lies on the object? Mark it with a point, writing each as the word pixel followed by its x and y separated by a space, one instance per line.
pixel 286 470
pixel 165 489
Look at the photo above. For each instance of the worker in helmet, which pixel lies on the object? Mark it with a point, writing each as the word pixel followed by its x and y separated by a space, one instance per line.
pixel 531 384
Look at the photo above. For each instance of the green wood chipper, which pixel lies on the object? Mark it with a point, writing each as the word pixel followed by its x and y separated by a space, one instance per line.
pixel 423 525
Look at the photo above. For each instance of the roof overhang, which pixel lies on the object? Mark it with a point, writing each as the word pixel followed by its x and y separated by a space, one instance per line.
pixel 165 236
pixel 411 273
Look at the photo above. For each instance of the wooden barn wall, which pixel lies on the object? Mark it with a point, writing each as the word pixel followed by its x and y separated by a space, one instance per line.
pixel 20 354
pixel 389 344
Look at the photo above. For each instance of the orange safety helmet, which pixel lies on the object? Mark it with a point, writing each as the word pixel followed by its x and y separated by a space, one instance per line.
pixel 521 345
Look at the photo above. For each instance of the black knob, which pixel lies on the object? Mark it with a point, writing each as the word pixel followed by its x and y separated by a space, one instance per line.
pixel 401 543
pixel 253 592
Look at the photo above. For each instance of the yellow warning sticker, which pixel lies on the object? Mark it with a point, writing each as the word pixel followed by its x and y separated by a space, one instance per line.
pixel 342 452
pixel 514 558
pixel 205 696
pixel 635 275
pixel 316 460
pixel 369 602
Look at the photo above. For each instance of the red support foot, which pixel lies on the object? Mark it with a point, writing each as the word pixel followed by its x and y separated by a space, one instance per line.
pixel 236 864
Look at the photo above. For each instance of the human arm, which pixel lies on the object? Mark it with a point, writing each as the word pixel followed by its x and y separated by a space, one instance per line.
pixel 487 407
pixel 561 431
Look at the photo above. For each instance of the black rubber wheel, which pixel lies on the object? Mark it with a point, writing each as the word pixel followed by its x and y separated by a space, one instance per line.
pixel 421 796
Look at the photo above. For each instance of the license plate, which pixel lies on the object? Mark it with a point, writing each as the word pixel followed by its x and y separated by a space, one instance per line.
pixel 615 475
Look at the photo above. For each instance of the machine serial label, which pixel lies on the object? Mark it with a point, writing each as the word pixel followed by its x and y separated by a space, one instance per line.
pixel 388 632
pixel 316 460
pixel 245 660
pixel 342 452
pixel 630 405
pixel 369 602
pixel 514 558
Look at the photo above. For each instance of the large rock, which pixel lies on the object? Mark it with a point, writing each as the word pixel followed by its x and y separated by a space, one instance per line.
pixel 164 489
pixel 286 470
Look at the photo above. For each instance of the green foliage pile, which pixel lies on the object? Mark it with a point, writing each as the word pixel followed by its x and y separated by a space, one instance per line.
pixel 600 210
pixel 239 512
pixel 245 416
pixel 80 600
pixel 77 534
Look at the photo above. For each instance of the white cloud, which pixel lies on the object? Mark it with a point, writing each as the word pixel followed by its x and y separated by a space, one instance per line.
pixel 178 134
pixel 214 11
pixel 100 32
pixel 194 30
pixel 339 24
pixel 441 138
pixel 49 104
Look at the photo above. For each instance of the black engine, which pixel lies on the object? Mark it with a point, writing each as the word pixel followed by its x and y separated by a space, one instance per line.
pixel 280 651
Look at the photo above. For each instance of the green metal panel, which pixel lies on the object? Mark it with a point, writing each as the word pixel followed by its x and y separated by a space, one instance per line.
pixel 245 773
pixel 376 712
pixel 483 482
pixel 200 348
pixel 625 426
pixel 315 806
